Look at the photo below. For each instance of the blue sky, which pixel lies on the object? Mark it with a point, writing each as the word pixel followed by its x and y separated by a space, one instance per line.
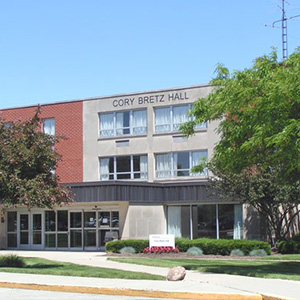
pixel 71 49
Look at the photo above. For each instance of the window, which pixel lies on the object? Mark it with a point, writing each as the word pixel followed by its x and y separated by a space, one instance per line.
pixel 78 229
pixel 7 125
pixel 124 167
pixel 217 221
pixel 123 123
pixel 12 229
pixel 179 164
pixel 171 117
pixel 49 126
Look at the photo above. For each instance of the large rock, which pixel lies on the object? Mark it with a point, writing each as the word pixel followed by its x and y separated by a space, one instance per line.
pixel 176 273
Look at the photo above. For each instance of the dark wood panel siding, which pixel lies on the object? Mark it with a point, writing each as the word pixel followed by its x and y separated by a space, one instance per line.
pixel 141 192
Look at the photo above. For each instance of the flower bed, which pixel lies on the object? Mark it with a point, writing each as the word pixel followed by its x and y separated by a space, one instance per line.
pixel 159 250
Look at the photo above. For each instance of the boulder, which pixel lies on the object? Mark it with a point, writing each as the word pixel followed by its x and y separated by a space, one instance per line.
pixel 176 273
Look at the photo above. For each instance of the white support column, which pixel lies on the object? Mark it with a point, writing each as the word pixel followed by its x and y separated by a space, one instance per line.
pixel 217 221
pixel 191 222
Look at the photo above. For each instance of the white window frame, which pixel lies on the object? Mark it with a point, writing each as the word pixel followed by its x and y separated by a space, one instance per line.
pixel 115 131
pixel 159 174
pixel 131 172
pixel 172 125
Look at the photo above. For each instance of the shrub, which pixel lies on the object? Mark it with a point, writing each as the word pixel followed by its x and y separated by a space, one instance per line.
pixel 222 246
pixel 116 246
pixel 12 261
pixel 129 250
pixel 196 251
pixel 208 246
pixel 237 252
pixel 288 247
pixel 258 252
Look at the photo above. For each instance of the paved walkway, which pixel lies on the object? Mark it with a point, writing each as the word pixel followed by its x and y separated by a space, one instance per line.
pixel 196 285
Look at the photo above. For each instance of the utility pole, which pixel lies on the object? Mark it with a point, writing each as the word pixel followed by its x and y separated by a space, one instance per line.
pixel 284 33
pixel 283 21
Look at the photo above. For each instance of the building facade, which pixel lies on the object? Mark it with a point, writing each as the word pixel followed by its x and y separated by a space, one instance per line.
pixel 130 170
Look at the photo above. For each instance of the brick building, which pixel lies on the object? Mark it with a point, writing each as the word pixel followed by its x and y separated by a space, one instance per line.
pixel 129 168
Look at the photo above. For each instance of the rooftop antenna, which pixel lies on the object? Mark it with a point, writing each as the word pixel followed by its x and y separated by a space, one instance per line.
pixel 283 21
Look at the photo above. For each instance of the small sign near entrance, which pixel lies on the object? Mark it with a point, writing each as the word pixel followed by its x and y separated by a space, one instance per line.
pixel 161 240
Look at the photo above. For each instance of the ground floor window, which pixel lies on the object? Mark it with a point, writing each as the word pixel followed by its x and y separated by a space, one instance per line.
pixel 12 229
pixel 206 220
pixel 63 229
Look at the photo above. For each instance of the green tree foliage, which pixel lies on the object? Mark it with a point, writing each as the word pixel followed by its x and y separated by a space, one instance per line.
pixel 276 201
pixel 27 158
pixel 259 114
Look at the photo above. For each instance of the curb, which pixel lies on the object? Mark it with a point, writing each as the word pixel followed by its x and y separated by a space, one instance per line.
pixel 134 293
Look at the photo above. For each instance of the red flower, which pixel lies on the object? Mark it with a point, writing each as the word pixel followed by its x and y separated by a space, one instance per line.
pixel 158 250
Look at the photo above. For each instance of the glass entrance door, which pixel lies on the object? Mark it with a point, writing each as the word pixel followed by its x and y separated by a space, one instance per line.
pixel 89 232
pixel 76 230
pixel 36 231
pixel 30 230
pixel 24 230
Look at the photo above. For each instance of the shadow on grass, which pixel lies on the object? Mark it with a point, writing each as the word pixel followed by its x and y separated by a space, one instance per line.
pixel 43 266
pixel 263 269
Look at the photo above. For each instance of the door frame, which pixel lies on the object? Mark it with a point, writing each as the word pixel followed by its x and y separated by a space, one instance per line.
pixel 30 230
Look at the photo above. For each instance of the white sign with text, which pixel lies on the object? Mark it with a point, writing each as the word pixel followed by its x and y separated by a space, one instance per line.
pixel 161 240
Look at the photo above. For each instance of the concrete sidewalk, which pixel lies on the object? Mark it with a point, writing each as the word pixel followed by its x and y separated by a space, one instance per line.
pixel 196 285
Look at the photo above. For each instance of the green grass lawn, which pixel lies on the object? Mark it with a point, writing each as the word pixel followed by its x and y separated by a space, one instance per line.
pixel 295 257
pixel 270 267
pixel 48 267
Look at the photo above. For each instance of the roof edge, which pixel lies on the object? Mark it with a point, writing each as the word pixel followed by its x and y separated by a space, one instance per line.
pixel 111 96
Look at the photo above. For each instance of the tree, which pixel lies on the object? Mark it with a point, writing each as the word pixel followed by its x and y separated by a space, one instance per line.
pixel 277 202
pixel 259 113
pixel 27 161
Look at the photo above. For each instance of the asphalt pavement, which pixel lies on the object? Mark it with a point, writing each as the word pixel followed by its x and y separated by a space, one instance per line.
pixel 196 285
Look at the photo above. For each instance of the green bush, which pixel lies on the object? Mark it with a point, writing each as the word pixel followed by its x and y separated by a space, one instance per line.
pixel 208 246
pixel 258 252
pixel 129 250
pixel 196 251
pixel 222 246
pixel 12 261
pixel 237 252
pixel 289 247
pixel 116 246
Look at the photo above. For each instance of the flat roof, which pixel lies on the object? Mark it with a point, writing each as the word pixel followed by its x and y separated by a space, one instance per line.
pixel 112 96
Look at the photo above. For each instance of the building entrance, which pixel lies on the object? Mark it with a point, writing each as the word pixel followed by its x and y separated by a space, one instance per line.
pixel 25 230
pixel 61 230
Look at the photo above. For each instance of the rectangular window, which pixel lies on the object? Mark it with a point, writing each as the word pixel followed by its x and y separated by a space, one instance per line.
pixel 216 221
pixel 178 220
pixel 107 124
pixel 179 164
pixel 50 224
pixel 163 119
pixel 170 118
pixel 206 220
pixel 221 221
pixel 12 229
pixel 123 123
pixel 124 167
pixel 49 126
pixel 180 116
pixel 7 125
